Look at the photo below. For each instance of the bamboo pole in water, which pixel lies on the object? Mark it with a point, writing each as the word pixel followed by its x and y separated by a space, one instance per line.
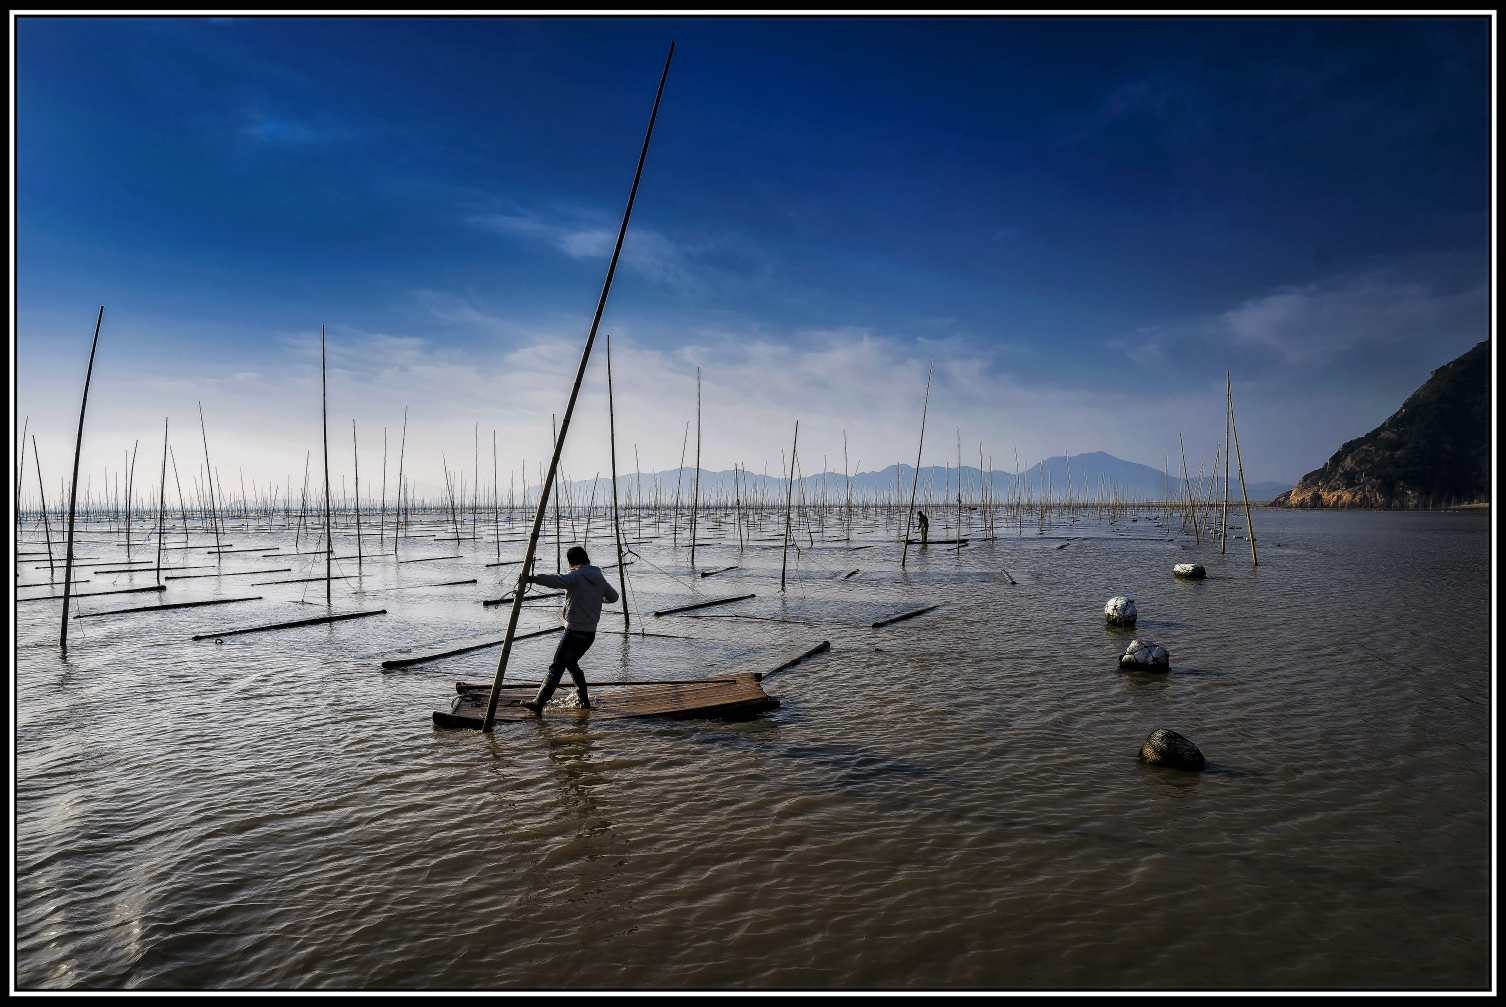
pixel 1223 538
pixel 329 528
pixel 78 447
pixel 695 498
pixel 1249 525
pixel 20 474
pixel 789 497
pixel 397 506
pixel 46 525
pixel 580 374
pixel 915 482
pixel 355 450
pixel 162 502
pixel 214 515
pixel 616 521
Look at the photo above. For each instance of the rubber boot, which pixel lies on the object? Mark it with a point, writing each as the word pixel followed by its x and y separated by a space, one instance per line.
pixel 546 689
pixel 580 691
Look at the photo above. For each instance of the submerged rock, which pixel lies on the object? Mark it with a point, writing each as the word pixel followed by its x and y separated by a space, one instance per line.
pixel 1145 656
pixel 1168 748
pixel 1193 570
pixel 1119 611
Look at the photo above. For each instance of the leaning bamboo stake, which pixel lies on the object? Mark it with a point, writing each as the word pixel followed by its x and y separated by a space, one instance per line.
pixel 789 497
pixel 214 514
pixel 78 447
pixel 162 502
pixel 355 450
pixel 397 506
pixel 580 374
pixel 1223 537
pixel 46 524
pixel 695 496
pixel 329 528
pixel 1249 525
pixel 616 521
pixel 20 474
pixel 915 482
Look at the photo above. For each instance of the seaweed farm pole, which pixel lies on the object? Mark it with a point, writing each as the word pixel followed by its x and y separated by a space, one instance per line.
pixel 558 545
pixel 78 447
pixel 580 374
pixel 616 521
pixel 788 499
pixel 20 473
pixel 182 504
pixel 355 450
pixel 496 500
pixel 1223 538
pixel 214 514
pixel 915 482
pixel 1249 526
pixel 162 502
pixel 397 506
pixel 329 531
pixel 695 497
pixel 382 521
pixel 42 489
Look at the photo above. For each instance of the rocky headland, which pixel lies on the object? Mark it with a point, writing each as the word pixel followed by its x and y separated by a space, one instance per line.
pixel 1432 452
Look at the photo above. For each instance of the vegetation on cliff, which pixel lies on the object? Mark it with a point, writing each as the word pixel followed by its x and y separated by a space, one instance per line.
pixel 1432 452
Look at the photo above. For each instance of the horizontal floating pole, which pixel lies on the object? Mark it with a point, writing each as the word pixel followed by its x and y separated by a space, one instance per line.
pixel 849 574
pixel 1007 577
pixel 505 562
pixel 164 608
pixel 147 569
pixel 464 687
pixel 447 583
pixel 98 594
pixel 408 662
pixel 429 559
pixel 302 580
pixel 819 648
pixel 244 573
pixel 713 573
pixel 704 604
pixel 940 541
pixel 907 615
pixel 857 547
pixel 290 625
pixel 488 603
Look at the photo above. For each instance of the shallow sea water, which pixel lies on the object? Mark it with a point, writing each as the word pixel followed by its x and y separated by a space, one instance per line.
pixel 952 802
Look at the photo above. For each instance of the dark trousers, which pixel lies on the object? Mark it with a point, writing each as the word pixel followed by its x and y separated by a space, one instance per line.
pixel 567 655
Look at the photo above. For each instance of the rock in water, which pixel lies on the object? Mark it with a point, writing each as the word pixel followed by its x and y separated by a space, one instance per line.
pixel 1168 748
pixel 1120 611
pixel 1145 656
pixel 1193 570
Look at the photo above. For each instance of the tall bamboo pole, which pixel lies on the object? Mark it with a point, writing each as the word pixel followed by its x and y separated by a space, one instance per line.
pixel 1223 538
pixel 695 498
pixel 355 450
pixel 1239 460
pixel 788 499
pixel 580 374
pixel 162 502
pixel 915 482
pixel 329 528
pixel 214 513
pixel 78 448
pixel 397 505
pixel 616 521
pixel 46 524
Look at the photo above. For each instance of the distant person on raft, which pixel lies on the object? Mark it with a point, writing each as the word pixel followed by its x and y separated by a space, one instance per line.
pixel 585 588
pixel 925 525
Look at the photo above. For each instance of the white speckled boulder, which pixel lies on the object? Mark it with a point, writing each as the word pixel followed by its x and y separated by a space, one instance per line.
pixel 1145 656
pixel 1119 611
pixel 1168 748
pixel 1195 571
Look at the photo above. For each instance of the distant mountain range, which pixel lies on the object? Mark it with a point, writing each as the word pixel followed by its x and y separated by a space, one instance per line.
pixel 1432 452
pixel 1089 474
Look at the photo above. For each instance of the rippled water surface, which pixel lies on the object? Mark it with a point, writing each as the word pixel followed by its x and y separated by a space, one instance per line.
pixel 952 801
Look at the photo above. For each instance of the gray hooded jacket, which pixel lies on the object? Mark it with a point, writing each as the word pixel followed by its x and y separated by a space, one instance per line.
pixel 586 586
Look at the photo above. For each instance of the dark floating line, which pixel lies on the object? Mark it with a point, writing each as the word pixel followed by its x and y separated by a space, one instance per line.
pixel 704 604
pixel 907 615
pixel 97 594
pixel 408 662
pixel 429 559
pixel 712 573
pixel 164 608
pixel 302 580
pixel 290 625
pixel 819 648
pixel 243 573
pixel 849 574
pixel 488 603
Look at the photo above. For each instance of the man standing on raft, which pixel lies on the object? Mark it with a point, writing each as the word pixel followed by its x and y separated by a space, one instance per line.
pixel 586 589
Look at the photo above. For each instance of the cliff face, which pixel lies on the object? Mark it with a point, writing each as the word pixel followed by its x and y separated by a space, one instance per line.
pixel 1432 452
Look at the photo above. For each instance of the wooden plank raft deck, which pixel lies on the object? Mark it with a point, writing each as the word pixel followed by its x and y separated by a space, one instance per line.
pixel 727 697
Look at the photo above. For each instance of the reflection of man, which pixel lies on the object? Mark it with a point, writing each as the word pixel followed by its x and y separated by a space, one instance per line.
pixel 925 525
pixel 585 590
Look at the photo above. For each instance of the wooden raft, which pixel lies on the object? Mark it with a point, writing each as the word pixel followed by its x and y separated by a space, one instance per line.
pixel 727 697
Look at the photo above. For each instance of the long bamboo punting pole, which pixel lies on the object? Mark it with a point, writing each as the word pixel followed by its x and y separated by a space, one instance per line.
pixel 329 528
pixel 915 482
pixel 616 521
pixel 78 447
pixel 580 374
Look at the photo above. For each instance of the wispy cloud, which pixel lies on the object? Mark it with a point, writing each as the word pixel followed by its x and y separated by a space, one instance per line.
pixel 588 236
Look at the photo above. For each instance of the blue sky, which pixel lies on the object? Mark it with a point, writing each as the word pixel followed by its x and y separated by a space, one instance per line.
pixel 1084 222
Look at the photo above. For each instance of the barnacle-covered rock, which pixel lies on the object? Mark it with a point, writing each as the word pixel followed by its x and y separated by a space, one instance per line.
pixel 1119 611
pixel 1168 748
pixel 1194 571
pixel 1145 656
